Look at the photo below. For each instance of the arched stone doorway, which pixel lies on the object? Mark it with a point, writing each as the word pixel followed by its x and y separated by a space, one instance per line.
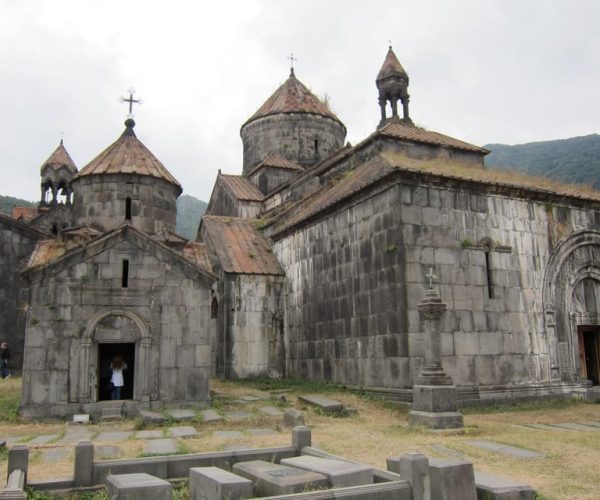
pixel 570 294
pixel 107 334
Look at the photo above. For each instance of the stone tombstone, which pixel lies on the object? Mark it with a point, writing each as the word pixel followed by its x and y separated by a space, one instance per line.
pixel 434 395
pixel 212 483
pixel 137 486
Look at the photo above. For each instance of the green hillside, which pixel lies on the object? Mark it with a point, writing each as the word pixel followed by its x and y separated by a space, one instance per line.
pixel 8 202
pixel 189 211
pixel 575 160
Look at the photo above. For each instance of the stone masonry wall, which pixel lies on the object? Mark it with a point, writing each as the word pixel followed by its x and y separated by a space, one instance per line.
pixel 356 276
pixel 293 136
pixel 99 202
pixel 15 248
pixel 170 310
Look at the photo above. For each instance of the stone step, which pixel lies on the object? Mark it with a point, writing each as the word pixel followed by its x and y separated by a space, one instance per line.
pixel 111 413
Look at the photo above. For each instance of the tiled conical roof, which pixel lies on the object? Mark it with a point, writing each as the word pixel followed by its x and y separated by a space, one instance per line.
pixel 127 155
pixel 293 97
pixel 60 158
pixel 391 66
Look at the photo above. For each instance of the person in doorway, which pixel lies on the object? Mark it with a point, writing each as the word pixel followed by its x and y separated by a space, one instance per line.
pixel 117 366
pixel 4 357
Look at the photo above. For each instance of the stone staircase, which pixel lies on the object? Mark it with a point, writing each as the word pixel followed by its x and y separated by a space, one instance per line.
pixel 111 410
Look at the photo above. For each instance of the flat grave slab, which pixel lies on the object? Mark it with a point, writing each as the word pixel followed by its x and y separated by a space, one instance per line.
pixel 229 434
pixel 161 446
pixel 149 434
pixel 75 434
pixel 114 436
pixel 449 452
pixel 183 431
pixel 210 416
pixel 504 449
pixel 55 454
pixel 237 447
pixel 251 398
pixel 542 427
pixel 138 486
pixel 496 487
pixel 578 427
pixel 261 432
pixel 238 415
pixel 181 414
pixel 339 473
pixel 271 411
pixel 81 418
pixel 593 424
pixel 44 439
pixel 212 483
pixel 152 417
pixel 272 479
pixel 106 452
pixel 326 404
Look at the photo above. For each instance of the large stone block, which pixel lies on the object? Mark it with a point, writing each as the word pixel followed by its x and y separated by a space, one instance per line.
pixel 434 398
pixel 451 480
pixel 340 474
pixel 137 486
pixel 212 483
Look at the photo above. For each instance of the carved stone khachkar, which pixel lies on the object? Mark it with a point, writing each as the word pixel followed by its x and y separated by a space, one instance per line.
pixel 434 395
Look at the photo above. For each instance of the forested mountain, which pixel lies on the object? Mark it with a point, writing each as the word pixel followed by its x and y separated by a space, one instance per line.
pixel 8 202
pixel 189 211
pixel 575 160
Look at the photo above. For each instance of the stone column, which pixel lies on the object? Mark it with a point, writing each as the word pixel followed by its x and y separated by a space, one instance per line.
pixel 434 395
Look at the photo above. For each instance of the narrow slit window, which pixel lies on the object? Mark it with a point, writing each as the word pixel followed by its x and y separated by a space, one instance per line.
pixel 316 147
pixel 128 208
pixel 125 274
pixel 488 272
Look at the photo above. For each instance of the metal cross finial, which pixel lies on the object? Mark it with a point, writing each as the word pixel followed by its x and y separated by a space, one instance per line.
pixel 292 59
pixel 431 277
pixel 131 100
pixel 390 44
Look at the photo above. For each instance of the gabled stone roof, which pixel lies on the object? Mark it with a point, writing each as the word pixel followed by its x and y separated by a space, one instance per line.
pixel 127 155
pixel 275 160
pixel 60 158
pixel 293 97
pixel 391 67
pixel 239 246
pixel 14 225
pixel 400 130
pixel 241 187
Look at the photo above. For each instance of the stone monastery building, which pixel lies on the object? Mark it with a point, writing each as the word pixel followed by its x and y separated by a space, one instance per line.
pixel 309 264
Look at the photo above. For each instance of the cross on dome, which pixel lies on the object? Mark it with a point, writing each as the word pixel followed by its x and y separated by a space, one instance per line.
pixel 131 101
pixel 292 59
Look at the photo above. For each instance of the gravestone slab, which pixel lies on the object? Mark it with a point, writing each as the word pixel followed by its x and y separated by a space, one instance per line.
pixel 578 427
pixel 75 434
pixel 444 450
pixel 272 479
pixel 325 404
pixel 271 411
pixel 229 434
pixel 82 418
pixel 138 486
pixel 212 483
pixel 262 432
pixel 44 439
pixel 504 449
pixel 105 452
pixel 451 480
pixel 183 431
pixel 114 436
pixel 251 398
pixel 497 488
pixel 340 474
pixel 237 447
pixel 542 427
pixel 210 416
pixel 593 424
pixel 149 434
pixel 293 418
pixel 238 415
pixel 152 417
pixel 55 454
pixel 180 414
pixel 161 446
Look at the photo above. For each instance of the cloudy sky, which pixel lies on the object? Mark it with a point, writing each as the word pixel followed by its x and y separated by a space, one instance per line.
pixel 480 70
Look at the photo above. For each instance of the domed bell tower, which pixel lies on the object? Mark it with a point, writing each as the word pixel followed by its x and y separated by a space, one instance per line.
pixel 392 83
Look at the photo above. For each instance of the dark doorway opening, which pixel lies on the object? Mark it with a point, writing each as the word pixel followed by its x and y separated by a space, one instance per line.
pixel 106 353
pixel 589 353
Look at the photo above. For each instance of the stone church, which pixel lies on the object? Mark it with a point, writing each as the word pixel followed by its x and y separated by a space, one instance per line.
pixel 310 264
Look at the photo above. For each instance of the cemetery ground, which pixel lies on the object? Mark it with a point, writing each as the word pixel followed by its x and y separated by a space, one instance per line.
pixel 561 432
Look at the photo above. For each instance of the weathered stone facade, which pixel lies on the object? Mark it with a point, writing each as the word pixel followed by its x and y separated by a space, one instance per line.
pixel 17 241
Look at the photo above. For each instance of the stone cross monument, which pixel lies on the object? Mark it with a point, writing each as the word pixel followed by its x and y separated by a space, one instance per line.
pixel 434 395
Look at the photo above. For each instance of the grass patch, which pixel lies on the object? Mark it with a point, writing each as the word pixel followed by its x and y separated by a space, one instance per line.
pixel 10 398
pixel 549 404
pixel 289 384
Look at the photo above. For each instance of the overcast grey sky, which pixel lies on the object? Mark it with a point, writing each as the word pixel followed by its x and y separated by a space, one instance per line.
pixel 480 70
